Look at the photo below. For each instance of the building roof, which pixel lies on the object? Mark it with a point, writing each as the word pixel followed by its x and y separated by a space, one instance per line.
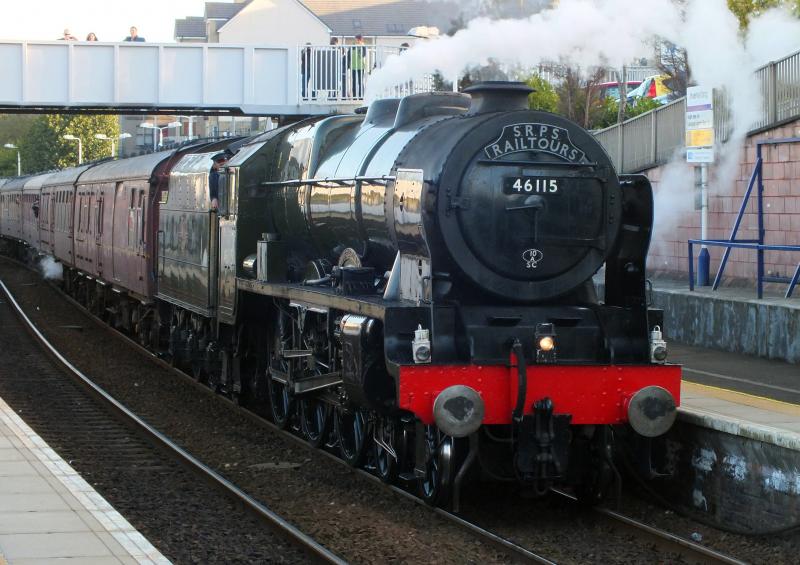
pixel 194 27
pixel 383 17
pixel 223 10
pixel 344 17
pixel 190 28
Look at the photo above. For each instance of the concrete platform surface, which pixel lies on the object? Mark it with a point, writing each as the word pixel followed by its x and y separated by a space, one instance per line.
pixel 769 378
pixel 740 394
pixel 774 294
pixel 50 514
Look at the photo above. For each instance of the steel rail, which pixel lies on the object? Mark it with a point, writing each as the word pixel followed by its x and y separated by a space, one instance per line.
pixel 690 550
pixel 279 525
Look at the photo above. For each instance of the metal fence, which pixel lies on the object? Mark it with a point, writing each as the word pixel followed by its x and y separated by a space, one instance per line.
pixel 554 73
pixel 339 73
pixel 653 138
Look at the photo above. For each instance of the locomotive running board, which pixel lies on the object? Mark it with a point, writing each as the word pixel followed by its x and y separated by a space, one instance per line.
pixel 371 305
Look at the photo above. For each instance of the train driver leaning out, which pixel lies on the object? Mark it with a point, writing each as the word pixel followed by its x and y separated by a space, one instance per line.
pixel 213 177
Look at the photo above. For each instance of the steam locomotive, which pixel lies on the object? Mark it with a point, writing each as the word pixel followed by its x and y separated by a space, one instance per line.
pixel 412 285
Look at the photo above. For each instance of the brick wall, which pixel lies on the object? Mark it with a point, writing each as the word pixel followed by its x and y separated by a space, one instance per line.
pixel 681 222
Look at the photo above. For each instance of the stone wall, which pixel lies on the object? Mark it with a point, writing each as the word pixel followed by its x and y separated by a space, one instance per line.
pixel 781 175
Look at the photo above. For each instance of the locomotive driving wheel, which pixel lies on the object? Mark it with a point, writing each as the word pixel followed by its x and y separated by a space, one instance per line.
pixel 351 428
pixel 314 420
pixel 313 412
pixel 436 486
pixel 281 399
pixel 387 448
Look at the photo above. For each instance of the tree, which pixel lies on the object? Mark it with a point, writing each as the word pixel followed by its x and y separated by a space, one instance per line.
pixel 544 96
pixel 744 10
pixel 44 148
pixel 674 61
pixel 609 112
pixel 13 129
pixel 577 96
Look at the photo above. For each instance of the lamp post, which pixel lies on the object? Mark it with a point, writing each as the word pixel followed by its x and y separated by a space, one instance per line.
pixel 19 161
pixel 148 125
pixel 112 139
pixel 191 125
pixel 71 137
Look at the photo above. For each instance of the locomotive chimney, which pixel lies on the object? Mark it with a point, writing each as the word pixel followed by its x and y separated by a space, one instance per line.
pixel 498 96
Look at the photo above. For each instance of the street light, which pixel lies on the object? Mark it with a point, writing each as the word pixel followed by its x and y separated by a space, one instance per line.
pixel 71 137
pixel 191 124
pixel 148 125
pixel 19 161
pixel 112 139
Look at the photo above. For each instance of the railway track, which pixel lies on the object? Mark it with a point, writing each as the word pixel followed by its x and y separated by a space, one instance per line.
pixel 517 552
pixel 689 551
pixel 65 407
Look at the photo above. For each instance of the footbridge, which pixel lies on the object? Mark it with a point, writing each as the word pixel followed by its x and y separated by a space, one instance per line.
pixel 197 78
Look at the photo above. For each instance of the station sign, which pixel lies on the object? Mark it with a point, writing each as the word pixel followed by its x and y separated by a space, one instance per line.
pixel 699 124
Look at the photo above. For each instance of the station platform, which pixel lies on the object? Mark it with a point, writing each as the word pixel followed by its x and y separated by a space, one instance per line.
pixel 50 514
pixel 740 394
pixel 732 458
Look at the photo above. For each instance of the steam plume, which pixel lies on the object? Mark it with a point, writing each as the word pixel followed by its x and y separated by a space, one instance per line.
pixel 51 269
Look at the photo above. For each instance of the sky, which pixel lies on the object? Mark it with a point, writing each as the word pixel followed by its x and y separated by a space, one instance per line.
pixel 109 19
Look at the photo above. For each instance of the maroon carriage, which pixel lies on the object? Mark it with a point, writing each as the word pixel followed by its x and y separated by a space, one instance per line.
pixel 56 225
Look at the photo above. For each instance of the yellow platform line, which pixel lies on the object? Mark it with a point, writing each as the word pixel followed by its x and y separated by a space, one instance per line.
pixel 742 398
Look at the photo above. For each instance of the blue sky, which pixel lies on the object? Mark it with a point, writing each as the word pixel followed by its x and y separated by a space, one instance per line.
pixel 109 19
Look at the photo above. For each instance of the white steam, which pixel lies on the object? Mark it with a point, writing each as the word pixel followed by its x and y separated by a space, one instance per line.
pixel 51 269
pixel 673 202
pixel 587 33
pixel 774 35
pixel 581 33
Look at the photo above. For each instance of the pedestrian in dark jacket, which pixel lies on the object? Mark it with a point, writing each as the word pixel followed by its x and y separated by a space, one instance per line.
pixel 134 36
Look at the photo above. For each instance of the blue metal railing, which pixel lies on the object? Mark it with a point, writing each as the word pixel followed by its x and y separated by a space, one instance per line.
pixel 756 180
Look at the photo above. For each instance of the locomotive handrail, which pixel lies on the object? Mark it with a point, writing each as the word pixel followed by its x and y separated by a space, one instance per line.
pixel 340 181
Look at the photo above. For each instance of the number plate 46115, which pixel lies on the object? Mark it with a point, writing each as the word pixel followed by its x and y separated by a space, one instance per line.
pixel 531 185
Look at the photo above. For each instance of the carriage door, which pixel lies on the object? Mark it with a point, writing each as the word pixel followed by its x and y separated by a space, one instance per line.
pixel 226 297
pixel 80 235
pixel 97 213
pixel 141 249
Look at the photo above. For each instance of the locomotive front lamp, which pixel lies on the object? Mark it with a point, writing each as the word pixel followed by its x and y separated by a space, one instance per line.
pixel 545 340
pixel 546 343
pixel 658 347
